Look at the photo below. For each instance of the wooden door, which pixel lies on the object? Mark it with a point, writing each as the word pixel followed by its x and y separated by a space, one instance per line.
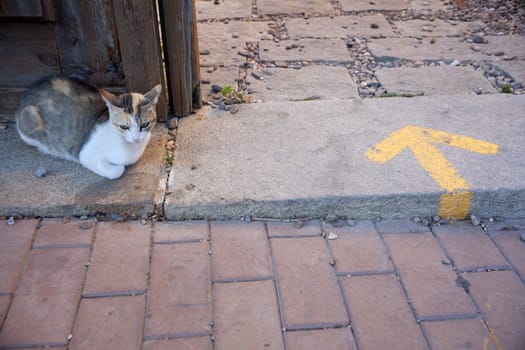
pixel 113 44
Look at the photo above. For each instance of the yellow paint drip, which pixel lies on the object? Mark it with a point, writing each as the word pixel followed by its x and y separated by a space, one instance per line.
pixel 456 202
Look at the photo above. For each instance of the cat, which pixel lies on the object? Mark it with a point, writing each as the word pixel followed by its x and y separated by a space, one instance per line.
pixel 69 119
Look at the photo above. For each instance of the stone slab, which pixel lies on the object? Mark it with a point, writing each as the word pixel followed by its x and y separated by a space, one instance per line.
pixel 428 6
pixel 448 48
pixel 326 50
pixel 508 45
pixel 208 9
pixel 435 28
pixel 413 49
pixel 367 5
pixel 307 83
pixel 70 189
pixel 308 159
pixel 224 40
pixel 516 69
pixel 438 80
pixel 339 27
pixel 272 7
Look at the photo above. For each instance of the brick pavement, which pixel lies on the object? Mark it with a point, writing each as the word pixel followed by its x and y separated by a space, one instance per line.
pixel 261 285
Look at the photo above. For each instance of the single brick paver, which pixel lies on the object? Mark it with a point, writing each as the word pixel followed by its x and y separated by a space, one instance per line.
pixel 180 231
pixel 469 246
pixel 15 245
pixel 308 284
pixel 44 307
pixel 326 339
pixel 431 285
pixel 198 343
pixel 180 290
pixel 120 259
pixel 288 229
pixel 240 251
pixel 109 323
pixel 247 316
pixel 4 304
pixel 381 316
pixel 501 297
pixel 513 248
pixel 459 334
pixel 400 226
pixel 359 249
pixel 54 232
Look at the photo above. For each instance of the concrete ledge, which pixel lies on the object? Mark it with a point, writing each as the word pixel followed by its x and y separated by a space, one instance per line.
pixel 70 189
pixel 309 158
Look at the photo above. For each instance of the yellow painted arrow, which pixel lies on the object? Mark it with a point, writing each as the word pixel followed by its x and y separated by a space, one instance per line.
pixel 421 141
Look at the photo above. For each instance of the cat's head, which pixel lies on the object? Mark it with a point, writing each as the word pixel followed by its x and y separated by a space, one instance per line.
pixel 132 114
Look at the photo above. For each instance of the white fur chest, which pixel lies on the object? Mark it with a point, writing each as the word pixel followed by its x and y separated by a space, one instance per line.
pixel 106 145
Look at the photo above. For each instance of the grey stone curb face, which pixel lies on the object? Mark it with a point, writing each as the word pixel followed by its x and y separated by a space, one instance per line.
pixel 308 158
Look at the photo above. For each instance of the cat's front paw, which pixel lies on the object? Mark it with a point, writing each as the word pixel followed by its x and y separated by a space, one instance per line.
pixel 102 167
pixel 113 172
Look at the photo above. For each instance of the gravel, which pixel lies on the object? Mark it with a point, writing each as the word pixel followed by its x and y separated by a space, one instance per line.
pixel 497 17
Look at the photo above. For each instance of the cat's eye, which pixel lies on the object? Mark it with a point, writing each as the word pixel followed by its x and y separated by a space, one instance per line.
pixel 124 127
pixel 144 125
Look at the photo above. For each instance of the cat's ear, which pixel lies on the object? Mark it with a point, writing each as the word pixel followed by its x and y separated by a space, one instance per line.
pixel 152 97
pixel 111 100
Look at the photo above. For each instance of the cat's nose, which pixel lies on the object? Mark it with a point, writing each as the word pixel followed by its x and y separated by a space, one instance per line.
pixel 136 138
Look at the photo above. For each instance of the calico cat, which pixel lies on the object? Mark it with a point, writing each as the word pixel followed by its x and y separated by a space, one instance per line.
pixel 69 119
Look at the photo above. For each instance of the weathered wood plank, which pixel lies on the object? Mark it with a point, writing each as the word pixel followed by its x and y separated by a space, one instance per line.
pixel 27 52
pixel 195 62
pixel 21 8
pixel 87 41
pixel 138 34
pixel 8 102
pixel 182 55
pixel 37 9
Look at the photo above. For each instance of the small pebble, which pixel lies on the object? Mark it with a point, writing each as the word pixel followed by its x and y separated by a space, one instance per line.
pixel 3 126
pixel 478 39
pixel 475 220
pixel 351 222
pixel 522 236
pixel 331 236
pixel 66 219
pixel 331 217
pixel 234 108
pixel 332 262
pixel 83 217
pixel 257 76
pixel 374 26
pixel 454 63
pixel 115 217
pixel 40 171
pixel 298 224
pixel 86 225
pixel 338 223
pixel 216 88
pixel 11 220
